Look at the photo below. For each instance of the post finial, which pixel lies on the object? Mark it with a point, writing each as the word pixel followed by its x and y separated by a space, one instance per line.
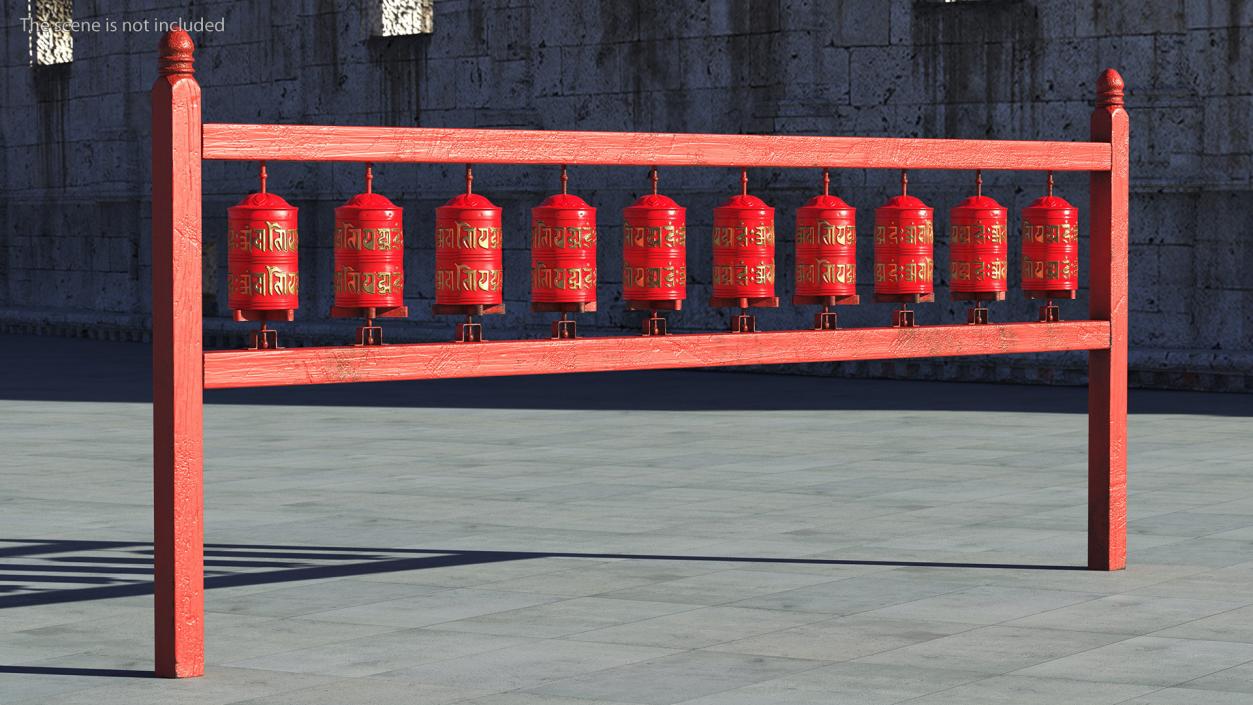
pixel 175 53
pixel 1109 90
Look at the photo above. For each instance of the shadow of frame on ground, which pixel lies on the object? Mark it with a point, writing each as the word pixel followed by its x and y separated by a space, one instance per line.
pixel 76 563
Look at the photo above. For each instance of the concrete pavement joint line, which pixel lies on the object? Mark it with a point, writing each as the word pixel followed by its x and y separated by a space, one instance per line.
pixel 991 676
pixel 1207 675
pixel 1196 638
pixel 1138 697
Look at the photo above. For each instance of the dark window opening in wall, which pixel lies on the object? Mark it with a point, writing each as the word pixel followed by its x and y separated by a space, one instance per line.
pixel 48 23
pixel 402 18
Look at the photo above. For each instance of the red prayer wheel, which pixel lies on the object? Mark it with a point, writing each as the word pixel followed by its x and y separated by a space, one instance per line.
pixel 263 268
pixel 826 250
pixel 743 253
pixel 904 251
pixel 563 255
pixel 1050 248
pixel 369 254
pixel 469 269
pixel 654 253
pixel 978 249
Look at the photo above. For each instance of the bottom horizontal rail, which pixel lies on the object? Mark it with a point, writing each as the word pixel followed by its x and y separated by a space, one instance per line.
pixel 327 365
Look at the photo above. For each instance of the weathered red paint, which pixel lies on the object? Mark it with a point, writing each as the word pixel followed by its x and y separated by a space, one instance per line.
pixel 344 143
pixel 1107 369
pixel 182 370
pixel 177 365
pixel 241 368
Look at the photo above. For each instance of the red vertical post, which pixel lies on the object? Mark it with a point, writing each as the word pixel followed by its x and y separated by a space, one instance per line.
pixel 1107 369
pixel 177 364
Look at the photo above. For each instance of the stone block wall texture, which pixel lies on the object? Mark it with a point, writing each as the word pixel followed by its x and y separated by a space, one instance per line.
pixel 75 253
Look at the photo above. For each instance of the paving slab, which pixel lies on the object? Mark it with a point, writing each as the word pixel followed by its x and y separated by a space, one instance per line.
pixel 1230 625
pixel 846 683
pixel 1189 696
pixel 1131 614
pixel 1238 679
pixel 374 691
pixel 528 666
pixel 1027 690
pixel 567 618
pixel 379 653
pixel 676 678
pixel 993 649
pixel 698 628
pixel 985 604
pixel 843 638
pixel 225 685
pixel 1148 659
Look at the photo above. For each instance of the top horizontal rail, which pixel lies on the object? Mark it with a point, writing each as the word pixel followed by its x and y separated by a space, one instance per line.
pixel 329 143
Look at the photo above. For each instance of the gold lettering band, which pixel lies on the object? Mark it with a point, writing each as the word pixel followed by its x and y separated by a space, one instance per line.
pixel 270 238
pixel 922 270
pixel 349 237
pixel 743 236
pixel 463 278
pixel 565 278
pixel 272 281
pixel 825 233
pixel 464 236
pixel 562 237
pixel 351 281
pixel 918 234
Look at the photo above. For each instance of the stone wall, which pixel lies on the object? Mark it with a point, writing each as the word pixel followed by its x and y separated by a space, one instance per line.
pixel 75 251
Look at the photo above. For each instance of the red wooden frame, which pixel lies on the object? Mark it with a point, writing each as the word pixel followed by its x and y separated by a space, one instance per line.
pixel 182 370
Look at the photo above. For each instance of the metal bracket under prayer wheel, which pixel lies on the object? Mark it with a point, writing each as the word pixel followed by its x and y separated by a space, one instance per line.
pixel 565 329
pixel 263 339
pixel 903 318
pixel 369 335
pixel 655 325
pixel 743 323
pixel 1050 313
pixel 469 333
pixel 977 315
pixel 826 320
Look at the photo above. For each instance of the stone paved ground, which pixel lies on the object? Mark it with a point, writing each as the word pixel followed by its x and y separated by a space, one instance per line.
pixel 695 538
